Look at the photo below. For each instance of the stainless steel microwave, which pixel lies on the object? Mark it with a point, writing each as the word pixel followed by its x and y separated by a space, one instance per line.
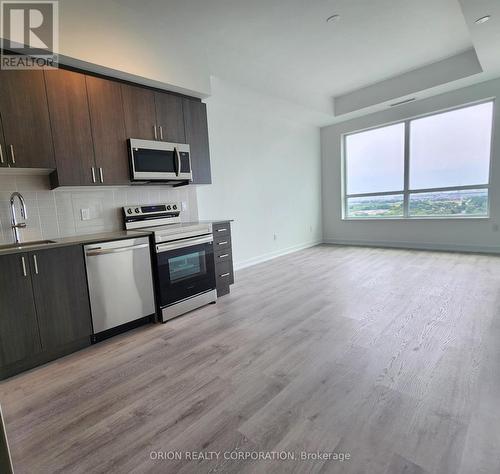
pixel 159 161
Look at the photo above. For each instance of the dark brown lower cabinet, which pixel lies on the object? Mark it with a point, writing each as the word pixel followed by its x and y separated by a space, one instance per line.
pixel 19 336
pixel 224 273
pixel 61 296
pixel 45 310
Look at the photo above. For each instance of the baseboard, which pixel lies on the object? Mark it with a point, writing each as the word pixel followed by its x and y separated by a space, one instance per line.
pixel 417 246
pixel 269 256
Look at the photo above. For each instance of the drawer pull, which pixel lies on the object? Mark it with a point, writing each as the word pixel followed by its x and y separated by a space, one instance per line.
pixel 224 242
pixel 24 267
pixel 225 275
pixel 224 229
pixel 13 157
pixel 224 256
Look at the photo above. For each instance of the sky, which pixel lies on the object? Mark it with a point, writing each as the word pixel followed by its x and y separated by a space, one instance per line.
pixel 447 149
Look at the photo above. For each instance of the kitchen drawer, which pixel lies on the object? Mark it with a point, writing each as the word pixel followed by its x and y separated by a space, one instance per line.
pixel 222 244
pixel 224 272
pixel 224 255
pixel 221 231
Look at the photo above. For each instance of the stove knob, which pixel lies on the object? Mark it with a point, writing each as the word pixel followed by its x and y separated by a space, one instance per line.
pixel 129 211
pixel 137 210
pixel 175 207
pixel 169 207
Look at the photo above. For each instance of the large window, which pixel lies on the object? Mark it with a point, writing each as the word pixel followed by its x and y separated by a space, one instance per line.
pixel 434 166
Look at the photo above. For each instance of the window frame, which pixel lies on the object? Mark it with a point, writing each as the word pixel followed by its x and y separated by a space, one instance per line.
pixel 406 192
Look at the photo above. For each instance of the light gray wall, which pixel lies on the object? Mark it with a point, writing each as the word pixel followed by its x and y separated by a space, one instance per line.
pixel 266 173
pixel 452 234
pixel 53 214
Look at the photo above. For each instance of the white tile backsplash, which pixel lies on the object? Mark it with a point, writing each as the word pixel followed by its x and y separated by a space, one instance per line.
pixel 53 214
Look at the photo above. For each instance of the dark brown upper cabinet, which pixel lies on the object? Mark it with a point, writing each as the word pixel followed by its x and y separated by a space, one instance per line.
pixel 71 130
pixel 169 118
pixel 78 124
pixel 195 119
pixel 139 112
pixel 152 115
pixel 25 119
pixel 108 131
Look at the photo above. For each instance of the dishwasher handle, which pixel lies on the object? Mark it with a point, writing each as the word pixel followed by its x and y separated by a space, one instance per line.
pixel 95 252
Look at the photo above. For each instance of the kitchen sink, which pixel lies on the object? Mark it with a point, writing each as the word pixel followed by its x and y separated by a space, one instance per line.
pixel 20 245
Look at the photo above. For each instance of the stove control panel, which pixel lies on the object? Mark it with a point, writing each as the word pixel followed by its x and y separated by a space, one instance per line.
pixel 151 209
pixel 151 215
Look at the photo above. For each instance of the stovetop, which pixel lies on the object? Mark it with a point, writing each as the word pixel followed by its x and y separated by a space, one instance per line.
pixel 164 221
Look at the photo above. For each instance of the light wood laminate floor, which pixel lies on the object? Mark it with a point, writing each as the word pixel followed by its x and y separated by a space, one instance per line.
pixel 392 356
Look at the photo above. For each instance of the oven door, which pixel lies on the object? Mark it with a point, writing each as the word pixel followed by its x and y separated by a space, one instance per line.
pixel 185 268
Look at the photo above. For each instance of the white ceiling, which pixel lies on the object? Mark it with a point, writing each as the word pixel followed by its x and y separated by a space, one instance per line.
pixel 286 48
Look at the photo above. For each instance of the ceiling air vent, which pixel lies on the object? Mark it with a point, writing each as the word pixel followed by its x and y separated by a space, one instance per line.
pixel 406 101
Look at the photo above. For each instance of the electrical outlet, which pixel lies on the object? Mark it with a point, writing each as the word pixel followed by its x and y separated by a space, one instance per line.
pixel 85 214
pixel 495 227
pixel 184 205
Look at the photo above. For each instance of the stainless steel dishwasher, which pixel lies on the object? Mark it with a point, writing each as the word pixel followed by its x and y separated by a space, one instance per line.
pixel 120 283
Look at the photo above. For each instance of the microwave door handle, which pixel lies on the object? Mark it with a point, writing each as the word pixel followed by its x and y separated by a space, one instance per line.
pixel 178 161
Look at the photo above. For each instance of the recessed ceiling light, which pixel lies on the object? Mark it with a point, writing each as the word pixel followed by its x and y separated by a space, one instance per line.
pixel 483 19
pixel 333 18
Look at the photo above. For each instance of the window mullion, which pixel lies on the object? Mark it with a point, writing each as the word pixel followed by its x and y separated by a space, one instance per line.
pixel 406 197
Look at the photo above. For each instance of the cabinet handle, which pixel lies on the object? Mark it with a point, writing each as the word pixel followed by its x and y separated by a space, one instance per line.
pixel 93 174
pixel 156 134
pixel 224 256
pixel 13 157
pixel 224 242
pixel 24 267
pixel 224 275
pixel 1 155
pixel 101 175
pixel 35 261
pixel 224 229
pixel 161 132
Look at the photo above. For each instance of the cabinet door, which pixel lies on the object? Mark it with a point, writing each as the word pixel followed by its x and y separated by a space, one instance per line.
pixel 61 296
pixel 195 117
pixel 3 149
pixel 19 337
pixel 70 120
pixel 25 118
pixel 169 116
pixel 139 112
pixel 108 130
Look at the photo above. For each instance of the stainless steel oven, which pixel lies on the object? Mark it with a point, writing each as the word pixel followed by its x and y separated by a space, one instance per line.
pixel 184 263
pixel 185 275
pixel 152 160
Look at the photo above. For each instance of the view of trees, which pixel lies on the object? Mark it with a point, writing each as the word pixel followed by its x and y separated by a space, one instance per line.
pixel 445 203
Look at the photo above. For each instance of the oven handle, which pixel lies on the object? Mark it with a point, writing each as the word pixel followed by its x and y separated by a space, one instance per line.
pixel 184 243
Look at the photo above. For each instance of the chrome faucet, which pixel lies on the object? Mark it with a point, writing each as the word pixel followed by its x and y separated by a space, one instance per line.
pixel 17 225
